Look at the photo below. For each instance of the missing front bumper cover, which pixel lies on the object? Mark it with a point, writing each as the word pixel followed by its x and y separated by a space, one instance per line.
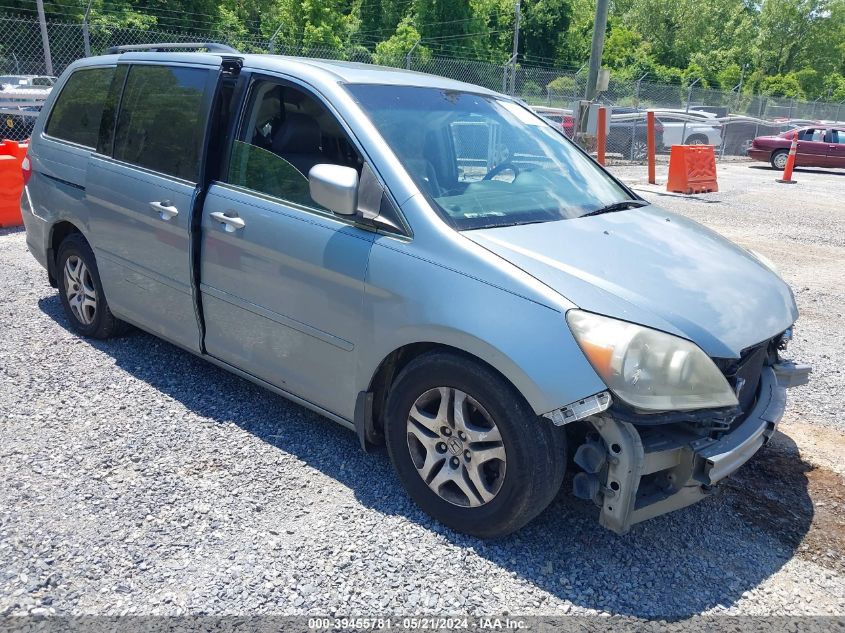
pixel 653 470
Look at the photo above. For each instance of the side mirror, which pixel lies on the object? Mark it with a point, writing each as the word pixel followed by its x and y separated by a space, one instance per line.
pixel 334 187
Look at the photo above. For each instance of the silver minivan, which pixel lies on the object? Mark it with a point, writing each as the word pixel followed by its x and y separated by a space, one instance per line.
pixel 424 261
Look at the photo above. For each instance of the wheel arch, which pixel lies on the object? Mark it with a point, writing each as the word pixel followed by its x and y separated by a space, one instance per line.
pixel 528 380
pixel 58 233
pixel 701 136
pixel 392 364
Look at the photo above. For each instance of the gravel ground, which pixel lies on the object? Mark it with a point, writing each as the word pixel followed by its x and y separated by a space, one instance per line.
pixel 135 478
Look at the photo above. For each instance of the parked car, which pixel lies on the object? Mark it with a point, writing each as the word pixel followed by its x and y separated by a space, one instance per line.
pixel 329 230
pixel 626 136
pixel 677 130
pixel 818 146
pixel 26 81
pixel 629 137
pixel 19 99
pixel 738 133
pixel 16 123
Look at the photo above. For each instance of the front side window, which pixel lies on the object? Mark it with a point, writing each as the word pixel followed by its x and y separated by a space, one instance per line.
pixel 79 107
pixel 486 161
pixel 283 134
pixel 162 119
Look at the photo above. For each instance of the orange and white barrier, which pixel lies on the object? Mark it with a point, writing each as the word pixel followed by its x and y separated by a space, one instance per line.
pixel 12 155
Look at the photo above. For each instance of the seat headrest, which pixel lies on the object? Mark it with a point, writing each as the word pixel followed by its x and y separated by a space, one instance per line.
pixel 299 134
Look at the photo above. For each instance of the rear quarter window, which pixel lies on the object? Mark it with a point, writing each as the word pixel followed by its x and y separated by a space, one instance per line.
pixel 78 110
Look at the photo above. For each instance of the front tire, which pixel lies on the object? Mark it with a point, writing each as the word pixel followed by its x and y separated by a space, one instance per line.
pixel 468 448
pixel 81 291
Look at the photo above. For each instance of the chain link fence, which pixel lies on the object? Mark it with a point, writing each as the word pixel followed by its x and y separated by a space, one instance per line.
pixel 686 114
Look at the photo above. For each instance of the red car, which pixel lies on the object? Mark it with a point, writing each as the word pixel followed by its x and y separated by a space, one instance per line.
pixel 818 146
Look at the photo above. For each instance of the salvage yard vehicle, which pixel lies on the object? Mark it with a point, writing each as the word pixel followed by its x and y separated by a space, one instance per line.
pixel 21 97
pixel 44 82
pixel 330 230
pixel 818 146
pixel 681 127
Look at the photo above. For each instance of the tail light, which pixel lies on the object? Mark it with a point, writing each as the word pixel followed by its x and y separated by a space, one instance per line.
pixel 26 168
pixel 658 126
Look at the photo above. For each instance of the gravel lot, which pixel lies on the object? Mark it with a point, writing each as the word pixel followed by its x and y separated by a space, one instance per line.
pixel 135 478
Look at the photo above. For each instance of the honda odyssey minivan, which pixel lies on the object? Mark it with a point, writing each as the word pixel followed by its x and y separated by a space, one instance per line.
pixel 423 261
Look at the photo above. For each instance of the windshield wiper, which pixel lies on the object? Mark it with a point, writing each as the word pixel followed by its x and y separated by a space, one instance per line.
pixel 618 206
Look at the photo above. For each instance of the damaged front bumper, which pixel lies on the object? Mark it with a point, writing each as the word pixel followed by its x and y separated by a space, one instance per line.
pixel 635 474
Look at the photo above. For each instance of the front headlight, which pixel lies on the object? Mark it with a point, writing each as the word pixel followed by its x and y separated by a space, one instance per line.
pixel 648 369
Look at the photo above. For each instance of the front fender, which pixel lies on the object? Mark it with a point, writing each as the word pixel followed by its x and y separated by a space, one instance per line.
pixel 413 300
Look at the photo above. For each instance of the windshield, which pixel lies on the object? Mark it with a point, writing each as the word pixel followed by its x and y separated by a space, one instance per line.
pixel 486 161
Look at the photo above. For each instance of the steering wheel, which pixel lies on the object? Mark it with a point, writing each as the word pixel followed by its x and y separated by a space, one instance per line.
pixel 498 169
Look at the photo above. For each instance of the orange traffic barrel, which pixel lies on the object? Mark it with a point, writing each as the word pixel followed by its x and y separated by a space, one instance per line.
pixel 692 169
pixel 14 148
pixel 11 182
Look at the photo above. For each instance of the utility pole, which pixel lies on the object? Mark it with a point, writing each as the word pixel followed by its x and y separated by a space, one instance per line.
pixel 409 54
pixel 45 39
pixel 739 87
pixel 741 79
pixel 86 36
pixel 271 44
pixel 599 27
pixel 517 15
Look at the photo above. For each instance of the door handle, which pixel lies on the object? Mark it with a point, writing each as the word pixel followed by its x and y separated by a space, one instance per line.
pixel 231 223
pixel 165 210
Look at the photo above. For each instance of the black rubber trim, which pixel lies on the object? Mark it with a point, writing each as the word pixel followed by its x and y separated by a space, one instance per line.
pixel 62 181
pixel 365 423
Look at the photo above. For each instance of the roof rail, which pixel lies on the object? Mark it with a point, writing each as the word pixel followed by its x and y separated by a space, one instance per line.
pixel 211 47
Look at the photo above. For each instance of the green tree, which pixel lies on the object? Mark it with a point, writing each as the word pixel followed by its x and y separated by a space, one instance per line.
pixel 544 29
pixel 787 29
pixel 449 26
pixel 782 86
pixel 393 51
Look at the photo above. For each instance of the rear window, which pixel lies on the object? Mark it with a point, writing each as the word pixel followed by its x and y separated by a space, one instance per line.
pixel 79 108
pixel 162 119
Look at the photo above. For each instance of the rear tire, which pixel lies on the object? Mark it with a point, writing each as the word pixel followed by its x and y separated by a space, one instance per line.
pixel 697 139
pixel 503 464
pixel 81 291
pixel 779 158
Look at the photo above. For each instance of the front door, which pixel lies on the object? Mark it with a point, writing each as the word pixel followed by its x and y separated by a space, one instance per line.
pixel 282 278
pixel 812 150
pixel 141 190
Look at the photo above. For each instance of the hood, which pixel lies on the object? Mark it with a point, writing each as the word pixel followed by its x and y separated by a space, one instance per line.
pixel 654 268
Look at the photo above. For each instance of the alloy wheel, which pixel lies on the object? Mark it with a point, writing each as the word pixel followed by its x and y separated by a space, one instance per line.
pixel 456 447
pixel 639 150
pixel 79 290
